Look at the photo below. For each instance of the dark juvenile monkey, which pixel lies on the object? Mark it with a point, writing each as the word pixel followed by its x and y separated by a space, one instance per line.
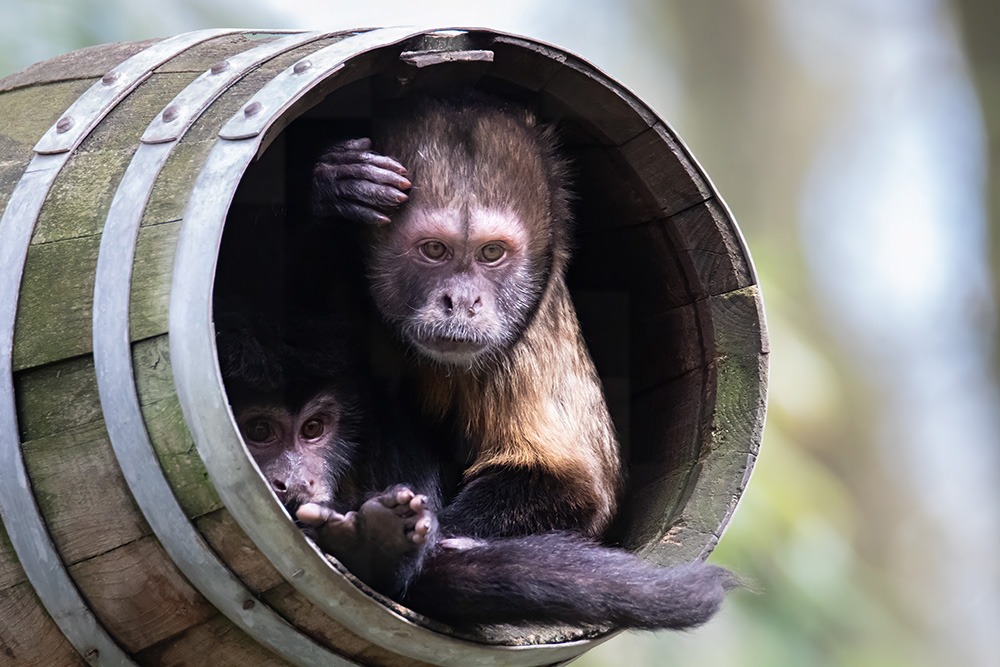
pixel 299 405
pixel 469 272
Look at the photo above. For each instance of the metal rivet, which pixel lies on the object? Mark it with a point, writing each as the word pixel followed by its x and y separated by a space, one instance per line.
pixel 297 574
pixel 64 125
pixel 92 655
pixel 248 604
pixel 111 77
pixel 220 67
pixel 171 113
pixel 302 66
pixel 252 109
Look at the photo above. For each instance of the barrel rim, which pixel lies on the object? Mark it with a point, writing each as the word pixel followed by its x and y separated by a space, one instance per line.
pixel 203 396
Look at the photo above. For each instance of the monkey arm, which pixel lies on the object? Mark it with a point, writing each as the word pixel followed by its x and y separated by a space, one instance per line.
pixel 352 182
pixel 507 501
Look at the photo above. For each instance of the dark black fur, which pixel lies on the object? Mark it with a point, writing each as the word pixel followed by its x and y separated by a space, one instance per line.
pixel 561 577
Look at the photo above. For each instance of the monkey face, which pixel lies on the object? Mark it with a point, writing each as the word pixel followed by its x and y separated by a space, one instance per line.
pixel 459 283
pixel 293 448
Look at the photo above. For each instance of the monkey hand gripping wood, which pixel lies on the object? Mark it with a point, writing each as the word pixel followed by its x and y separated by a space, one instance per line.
pixel 466 263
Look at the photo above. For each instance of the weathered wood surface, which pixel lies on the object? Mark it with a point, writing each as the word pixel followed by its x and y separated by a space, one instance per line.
pixel 27 634
pixel 91 62
pixel 216 642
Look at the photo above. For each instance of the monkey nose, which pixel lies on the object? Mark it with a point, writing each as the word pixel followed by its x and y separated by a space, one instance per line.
pixel 461 306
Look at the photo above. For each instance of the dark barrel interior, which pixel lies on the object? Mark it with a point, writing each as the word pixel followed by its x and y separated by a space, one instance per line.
pixel 661 280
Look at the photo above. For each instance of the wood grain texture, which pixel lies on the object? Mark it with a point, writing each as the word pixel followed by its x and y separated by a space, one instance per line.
pixel 232 545
pixel 216 642
pixel 27 114
pixel 90 63
pixel 665 345
pixel 303 615
pixel 28 636
pixel 572 87
pixel 80 492
pixel 711 250
pixel 139 595
pixel 665 169
pixel 668 424
pixel 727 426
pixel 167 430
pixel 201 56
pixel 78 201
pixel 11 572
pixel 528 64
pixel 54 318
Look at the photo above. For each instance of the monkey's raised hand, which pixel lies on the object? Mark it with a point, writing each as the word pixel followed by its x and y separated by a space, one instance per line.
pixel 352 182
pixel 383 542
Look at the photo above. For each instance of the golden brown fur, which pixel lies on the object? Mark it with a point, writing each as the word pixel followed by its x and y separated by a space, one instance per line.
pixel 536 404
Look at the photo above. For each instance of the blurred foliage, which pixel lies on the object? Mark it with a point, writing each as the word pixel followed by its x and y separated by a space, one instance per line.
pixel 849 558
pixel 36 30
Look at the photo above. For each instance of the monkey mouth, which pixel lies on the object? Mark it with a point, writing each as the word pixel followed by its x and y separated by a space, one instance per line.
pixel 449 350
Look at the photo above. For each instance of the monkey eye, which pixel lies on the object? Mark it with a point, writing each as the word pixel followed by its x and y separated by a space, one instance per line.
pixel 491 252
pixel 259 431
pixel 312 429
pixel 433 250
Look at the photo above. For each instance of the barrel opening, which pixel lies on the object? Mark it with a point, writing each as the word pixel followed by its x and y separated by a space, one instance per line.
pixel 638 280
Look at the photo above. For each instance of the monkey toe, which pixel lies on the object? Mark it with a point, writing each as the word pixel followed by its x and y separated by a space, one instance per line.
pixel 424 525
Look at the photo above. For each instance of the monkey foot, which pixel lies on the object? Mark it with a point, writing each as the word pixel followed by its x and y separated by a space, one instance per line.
pixel 382 543
pixel 397 519
pixel 329 527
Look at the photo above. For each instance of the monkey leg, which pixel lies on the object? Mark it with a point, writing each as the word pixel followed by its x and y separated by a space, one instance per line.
pixel 383 542
pixel 562 578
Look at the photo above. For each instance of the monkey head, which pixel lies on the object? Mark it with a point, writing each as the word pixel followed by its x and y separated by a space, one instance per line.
pixel 295 397
pixel 460 270
pixel 295 447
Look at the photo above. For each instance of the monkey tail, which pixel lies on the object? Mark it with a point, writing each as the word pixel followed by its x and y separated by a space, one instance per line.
pixel 562 578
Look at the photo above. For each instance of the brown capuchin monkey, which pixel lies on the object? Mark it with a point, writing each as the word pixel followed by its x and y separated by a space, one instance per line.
pixel 468 250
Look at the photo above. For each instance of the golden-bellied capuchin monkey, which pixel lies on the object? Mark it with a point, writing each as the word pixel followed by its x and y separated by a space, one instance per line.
pixel 469 245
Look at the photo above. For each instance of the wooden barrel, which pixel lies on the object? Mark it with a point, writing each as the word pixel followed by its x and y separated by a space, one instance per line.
pixel 136 529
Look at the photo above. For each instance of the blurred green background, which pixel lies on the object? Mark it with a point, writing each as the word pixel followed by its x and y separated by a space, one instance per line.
pixel 856 141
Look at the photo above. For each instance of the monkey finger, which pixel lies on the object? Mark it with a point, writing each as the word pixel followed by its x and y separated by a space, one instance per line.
pixel 372 194
pixel 351 211
pixel 312 514
pixel 383 161
pixel 348 157
pixel 359 144
pixel 359 171
pixel 331 189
